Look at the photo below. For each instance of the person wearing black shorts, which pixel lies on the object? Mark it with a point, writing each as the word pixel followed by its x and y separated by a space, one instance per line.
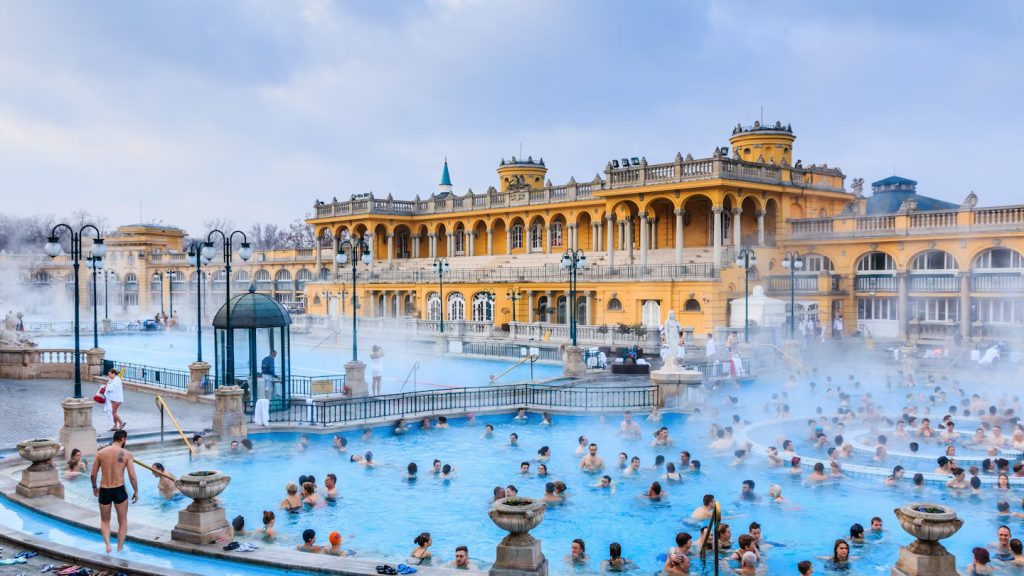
pixel 113 461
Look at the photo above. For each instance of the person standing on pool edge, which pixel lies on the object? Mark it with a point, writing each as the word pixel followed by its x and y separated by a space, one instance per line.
pixel 114 393
pixel 376 367
pixel 113 460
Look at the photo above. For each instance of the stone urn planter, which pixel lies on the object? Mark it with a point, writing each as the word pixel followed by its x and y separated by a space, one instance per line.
pixel 518 553
pixel 40 478
pixel 203 521
pixel 928 523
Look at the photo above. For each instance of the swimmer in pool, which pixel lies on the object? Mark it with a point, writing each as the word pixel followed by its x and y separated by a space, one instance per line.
pixel 592 462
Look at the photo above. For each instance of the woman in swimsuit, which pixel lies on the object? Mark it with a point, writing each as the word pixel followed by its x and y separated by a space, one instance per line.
pixel 421 554
pixel 292 502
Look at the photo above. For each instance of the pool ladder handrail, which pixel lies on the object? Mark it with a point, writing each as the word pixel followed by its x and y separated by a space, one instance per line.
pixel 529 357
pixel 164 408
pixel 713 523
pixel 412 374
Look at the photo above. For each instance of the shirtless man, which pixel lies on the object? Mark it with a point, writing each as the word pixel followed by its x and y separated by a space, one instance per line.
pixel 113 460
pixel 704 511
pixel 166 484
pixel 629 429
pixel 592 462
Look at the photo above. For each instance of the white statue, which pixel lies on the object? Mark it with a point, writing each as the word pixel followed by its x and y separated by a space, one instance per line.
pixel 11 336
pixel 671 329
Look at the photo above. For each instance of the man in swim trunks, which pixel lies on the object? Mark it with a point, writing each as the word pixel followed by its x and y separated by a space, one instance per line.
pixel 592 462
pixel 113 460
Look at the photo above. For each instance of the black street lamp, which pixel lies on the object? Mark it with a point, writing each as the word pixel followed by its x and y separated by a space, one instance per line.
pixel 94 263
pixel 440 266
pixel 352 244
pixel 106 294
pixel 793 262
pixel 745 259
pixel 196 258
pixel 170 275
pixel 515 295
pixel 53 249
pixel 244 252
pixel 572 261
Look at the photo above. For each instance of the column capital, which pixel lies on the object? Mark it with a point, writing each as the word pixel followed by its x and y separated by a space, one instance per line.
pixel 490 231
pixel 717 209
pixel 609 218
pixel 643 216
pixel 737 211
pixel 390 235
pixel 679 211
pixel 761 213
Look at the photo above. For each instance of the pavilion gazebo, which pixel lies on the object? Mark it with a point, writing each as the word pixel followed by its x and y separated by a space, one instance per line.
pixel 264 323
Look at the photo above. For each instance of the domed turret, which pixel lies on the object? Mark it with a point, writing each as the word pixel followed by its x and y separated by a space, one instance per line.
pixel 445 187
pixel 763 143
pixel 519 172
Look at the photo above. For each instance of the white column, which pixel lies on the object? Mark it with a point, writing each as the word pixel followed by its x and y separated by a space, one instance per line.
pixel 508 241
pixel 595 237
pixel 415 246
pixel 645 237
pixel 391 247
pixel 470 241
pixel 546 241
pixel 760 227
pixel 451 245
pixel 316 252
pixel 337 244
pixel 629 240
pixel 588 318
pixel 490 241
pixel 572 236
pixel 717 233
pixel 737 228
pixel 679 235
pixel 431 247
pixel 611 241
pixel 529 306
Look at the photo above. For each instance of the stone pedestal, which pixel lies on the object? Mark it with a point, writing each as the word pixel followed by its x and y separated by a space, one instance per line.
pixel 441 344
pixel 94 363
pixel 198 371
pixel 355 379
pixel 78 431
pixel 228 415
pixel 679 388
pixel 925 556
pixel 203 521
pixel 574 365
pixel 40 479
pixel 518 554
pixel 106 325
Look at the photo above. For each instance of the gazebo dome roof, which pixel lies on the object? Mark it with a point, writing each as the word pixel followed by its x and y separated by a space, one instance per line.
pixel 252 310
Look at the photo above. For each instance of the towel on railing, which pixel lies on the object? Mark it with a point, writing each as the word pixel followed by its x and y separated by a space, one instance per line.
pixel 261 414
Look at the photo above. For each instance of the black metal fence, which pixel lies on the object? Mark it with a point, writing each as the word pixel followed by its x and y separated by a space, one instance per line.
pixel 303 385
pixel 151 375
pixel 511 350
pixel 415 404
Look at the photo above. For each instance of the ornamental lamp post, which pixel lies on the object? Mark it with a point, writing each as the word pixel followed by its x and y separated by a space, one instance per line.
pixel 197 259
pixel 513 294
pixel 341 258
pixel 572 261
pixel 244 252
pixel 792 262
pixel 53 248
pixel 94 263
pixel 441 266
pixel 745 259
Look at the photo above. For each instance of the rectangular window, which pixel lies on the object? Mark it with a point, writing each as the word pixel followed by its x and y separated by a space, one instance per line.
pixel 993 311
pixel 935 309
pixel 877 309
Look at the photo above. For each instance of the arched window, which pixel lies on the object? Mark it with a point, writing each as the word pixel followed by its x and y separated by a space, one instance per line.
pixel 433 306
pixel 537 236
pixel 262 276
pixel 614 305
pixel 325 273
pixel 483 307
pixel 876 262
pixel 301 277
pixel 933 260
pixel 691 305
pixel 456 306
pixel 561 315
pixel 999 258
pixel 460 240
pixel 556 234
pixel 816 263
pixel 41 278
pixel 131 290
pixel 517 236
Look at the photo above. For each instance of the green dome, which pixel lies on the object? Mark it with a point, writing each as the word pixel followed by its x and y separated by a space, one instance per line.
pixel 252 310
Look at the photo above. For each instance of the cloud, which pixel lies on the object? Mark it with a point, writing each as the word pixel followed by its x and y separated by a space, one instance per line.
pixel 253 109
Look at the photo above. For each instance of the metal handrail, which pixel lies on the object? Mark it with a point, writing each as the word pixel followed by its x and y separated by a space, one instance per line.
pixel 164 408
pixel 411 374
pixel 531 357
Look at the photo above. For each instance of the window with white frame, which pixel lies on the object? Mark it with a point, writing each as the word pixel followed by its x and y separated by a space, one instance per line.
pixel 999 311
pixel 483 307
pixel 556 234
pixel 456 306
pixel 460 241
pixel 876 262
pixel 517 236
pixel 877 309
pixel 816 263
pixel 935 309
pixel 537 236
pixel 433 306
pixel 933 260
pixel 999 258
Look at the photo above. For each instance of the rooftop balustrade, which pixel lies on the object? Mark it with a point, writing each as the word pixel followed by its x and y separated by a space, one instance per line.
pixel 962 220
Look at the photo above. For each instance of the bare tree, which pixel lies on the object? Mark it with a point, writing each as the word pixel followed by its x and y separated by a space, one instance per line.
pixel 300 235
pixel 267 237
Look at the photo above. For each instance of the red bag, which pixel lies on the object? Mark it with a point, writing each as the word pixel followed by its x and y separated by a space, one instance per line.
pixel 101 395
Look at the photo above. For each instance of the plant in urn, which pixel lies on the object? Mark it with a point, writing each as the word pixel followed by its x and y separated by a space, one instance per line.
pixel 928 523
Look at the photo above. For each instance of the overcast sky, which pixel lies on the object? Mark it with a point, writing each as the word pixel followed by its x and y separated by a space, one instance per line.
pixel 186 110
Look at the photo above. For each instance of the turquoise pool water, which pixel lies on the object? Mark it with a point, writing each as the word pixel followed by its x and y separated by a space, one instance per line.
pixel 20 518
pixel 178 350
pixel 379 513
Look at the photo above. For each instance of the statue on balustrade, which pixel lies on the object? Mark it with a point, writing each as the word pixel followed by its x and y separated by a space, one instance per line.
pixel 11 336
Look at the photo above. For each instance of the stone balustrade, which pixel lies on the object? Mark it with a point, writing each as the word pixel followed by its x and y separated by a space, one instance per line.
pixel 26 363
pixel 962 220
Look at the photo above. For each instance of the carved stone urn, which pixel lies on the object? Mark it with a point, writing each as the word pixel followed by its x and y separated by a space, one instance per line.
pixel 518 553
pixel 40 478
pixel 203 521
pixel 928 523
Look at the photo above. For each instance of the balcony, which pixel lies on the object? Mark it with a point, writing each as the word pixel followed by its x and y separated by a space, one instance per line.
pixel 804 283
pixel 997 282
pixel 933 283
pixel 545 273
pixel 963 220
pixel 875 283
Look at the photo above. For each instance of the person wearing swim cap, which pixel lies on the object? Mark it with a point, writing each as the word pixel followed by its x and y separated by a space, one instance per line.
pixel 335 539
pixel 309 542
